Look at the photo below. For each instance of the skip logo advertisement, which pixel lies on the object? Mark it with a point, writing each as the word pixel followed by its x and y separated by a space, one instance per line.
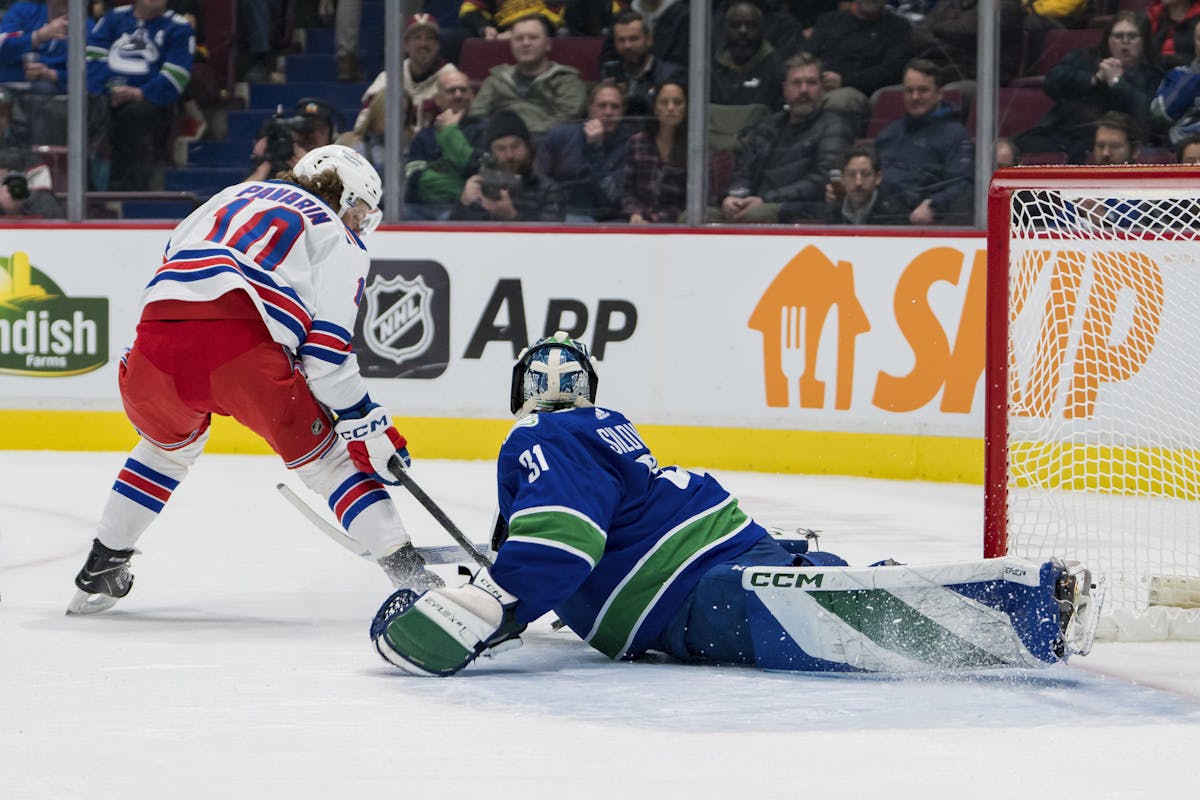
pixel 44 333
pixel 1082 322
pixel 404 323
pixel 816 330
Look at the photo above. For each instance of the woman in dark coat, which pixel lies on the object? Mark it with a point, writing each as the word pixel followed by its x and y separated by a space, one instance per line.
pixel 1115 76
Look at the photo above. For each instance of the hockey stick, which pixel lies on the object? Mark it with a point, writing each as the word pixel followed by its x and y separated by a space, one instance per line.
pixel 327 528
pixel 443 554
pixel 399 473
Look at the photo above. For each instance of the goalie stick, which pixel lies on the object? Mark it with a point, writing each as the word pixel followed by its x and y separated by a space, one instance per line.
pixel 442 554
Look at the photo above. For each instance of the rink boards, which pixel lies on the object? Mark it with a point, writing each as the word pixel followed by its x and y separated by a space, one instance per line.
pixel 772 351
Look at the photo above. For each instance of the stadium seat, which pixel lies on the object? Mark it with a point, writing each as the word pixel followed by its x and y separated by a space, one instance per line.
pixel 478 56
pixel 720 165
pixel 1056 44
pixel 1018 109
pixel 887 105
pixel 580 52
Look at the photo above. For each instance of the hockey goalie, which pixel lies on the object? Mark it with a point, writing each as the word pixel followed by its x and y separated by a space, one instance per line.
pixel 635 557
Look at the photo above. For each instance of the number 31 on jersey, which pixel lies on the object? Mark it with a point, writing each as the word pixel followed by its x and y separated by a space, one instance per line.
pixel 534 460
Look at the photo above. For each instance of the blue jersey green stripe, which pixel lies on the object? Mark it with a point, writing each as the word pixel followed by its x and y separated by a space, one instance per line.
pixel 628 605
pixel 177 75
pixel 561 527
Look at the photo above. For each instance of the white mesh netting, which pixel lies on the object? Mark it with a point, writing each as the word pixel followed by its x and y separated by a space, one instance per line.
pixel 1104 396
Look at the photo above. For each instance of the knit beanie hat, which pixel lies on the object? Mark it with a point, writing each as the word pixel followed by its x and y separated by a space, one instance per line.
pixel 505 123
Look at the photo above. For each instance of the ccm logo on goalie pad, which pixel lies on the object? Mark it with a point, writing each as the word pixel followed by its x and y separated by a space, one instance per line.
pixel 365 430
pixel 784 580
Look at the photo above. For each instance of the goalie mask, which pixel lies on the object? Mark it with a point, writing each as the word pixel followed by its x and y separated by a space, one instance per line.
pixel 552 374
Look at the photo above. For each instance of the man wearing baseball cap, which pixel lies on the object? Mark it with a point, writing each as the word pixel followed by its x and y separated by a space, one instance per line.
pixel 419 73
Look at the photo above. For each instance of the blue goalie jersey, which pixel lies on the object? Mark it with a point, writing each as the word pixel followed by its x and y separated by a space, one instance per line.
pixel 601 534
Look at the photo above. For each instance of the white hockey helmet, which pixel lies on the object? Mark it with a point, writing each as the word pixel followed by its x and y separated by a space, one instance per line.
pixel 553 373
pixel 359 179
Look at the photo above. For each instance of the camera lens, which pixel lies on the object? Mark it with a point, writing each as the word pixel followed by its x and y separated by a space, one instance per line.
pixel 18 186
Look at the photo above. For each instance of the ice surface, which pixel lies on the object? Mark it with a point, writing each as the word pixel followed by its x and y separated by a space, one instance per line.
pixel 239 667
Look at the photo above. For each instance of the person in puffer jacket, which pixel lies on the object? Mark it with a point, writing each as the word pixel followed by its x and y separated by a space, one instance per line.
pixel 789 156
pixel 927 157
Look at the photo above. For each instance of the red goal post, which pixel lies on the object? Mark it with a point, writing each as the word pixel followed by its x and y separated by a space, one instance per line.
pixel 1092 421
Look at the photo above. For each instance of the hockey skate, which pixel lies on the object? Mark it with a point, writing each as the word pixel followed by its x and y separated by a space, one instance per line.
pixel 405 568
pixel 104 579
pixel 1079 603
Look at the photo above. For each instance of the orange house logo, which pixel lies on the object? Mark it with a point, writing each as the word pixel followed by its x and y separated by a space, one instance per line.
pixel 791 315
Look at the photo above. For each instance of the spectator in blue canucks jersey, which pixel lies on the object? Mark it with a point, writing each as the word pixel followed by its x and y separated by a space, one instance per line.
pixel 33 45
pixel 634 557
pixel 139 60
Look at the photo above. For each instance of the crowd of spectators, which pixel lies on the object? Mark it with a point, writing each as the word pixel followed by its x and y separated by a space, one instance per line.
pixel 139 60
pixel 792 93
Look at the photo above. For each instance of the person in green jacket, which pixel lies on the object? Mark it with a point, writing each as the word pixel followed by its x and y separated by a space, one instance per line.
pixel 442 153
pixel 543 92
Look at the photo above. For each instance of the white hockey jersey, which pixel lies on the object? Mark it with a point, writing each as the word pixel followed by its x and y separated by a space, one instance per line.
pixel 304 269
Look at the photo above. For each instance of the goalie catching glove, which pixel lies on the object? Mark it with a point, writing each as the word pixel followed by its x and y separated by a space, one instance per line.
pixel 439 632
pixel 373 441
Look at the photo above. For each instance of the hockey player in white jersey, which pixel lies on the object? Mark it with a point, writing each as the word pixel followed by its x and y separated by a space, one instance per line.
pixel 251 315
pixel 634 557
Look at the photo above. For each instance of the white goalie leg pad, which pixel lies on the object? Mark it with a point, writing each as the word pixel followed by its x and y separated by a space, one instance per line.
pixel 991 613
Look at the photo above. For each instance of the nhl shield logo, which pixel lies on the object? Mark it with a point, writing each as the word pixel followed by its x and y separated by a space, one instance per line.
pixel 399 322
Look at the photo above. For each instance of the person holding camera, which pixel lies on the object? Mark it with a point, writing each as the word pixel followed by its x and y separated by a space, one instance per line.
pixel 27 194
pixel 506 188
pixel 284 139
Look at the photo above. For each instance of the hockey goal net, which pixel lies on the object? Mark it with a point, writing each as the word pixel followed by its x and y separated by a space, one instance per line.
pixel 1093 388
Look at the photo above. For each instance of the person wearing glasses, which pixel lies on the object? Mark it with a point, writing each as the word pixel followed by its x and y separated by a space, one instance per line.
pixel 442 154
pixel 1087 83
